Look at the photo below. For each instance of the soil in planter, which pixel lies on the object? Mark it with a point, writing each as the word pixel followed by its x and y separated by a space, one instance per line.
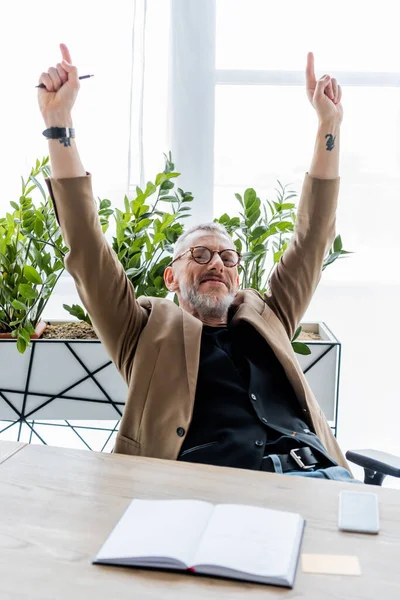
pixel 70 331
pixel 308 335
pixel 83 331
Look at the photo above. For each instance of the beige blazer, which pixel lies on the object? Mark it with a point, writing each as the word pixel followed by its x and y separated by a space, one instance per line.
pixel 155 345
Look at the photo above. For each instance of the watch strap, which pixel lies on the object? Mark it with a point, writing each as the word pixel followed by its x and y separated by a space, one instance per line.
pixel 63 134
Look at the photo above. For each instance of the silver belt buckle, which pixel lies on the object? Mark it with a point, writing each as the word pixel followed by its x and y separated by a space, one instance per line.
pixel 298 460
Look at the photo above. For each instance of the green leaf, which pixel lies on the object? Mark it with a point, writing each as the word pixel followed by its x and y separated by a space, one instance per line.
pixel 159 282
pixel 254 217
pixel 77 311
pixel 239 197
pixel 127 205
pixel 27 291
pixel 134 262
pixel 21 344
pixel 301 348
pixel 337 244
pixel 142 225
pixel 331 258
pixel 107 203
pixel 158 237
pixel 258 232
pixel 285 226
pixel 32 275
pixel 19 305
pixel 234 223
pixel 150 189
pixel 169 199
pixel 161 177
pixel 14 205
pixel 29 327
pixel 38 228
pixel 297 333
pixel 25 334
pixel 238 245
pixel 167 185
pixel 249 197
pixel 38 185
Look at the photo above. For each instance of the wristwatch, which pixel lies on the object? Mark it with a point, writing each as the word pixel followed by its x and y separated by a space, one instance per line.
pixel 64 134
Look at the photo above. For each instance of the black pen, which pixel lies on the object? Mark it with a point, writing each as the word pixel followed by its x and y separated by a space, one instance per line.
pixel 41 85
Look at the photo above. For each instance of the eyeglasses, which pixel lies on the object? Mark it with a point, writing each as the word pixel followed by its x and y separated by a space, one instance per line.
pixel 203 256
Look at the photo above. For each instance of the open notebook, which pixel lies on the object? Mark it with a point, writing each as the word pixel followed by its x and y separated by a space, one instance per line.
pixel 225 540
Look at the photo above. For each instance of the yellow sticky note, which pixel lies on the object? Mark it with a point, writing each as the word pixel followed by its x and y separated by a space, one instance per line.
pixel 330 564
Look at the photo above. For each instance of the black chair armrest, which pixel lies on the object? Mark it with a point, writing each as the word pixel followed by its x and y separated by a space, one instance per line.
pixel 373 460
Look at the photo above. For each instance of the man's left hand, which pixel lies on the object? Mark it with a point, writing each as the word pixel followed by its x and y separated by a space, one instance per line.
pixel 325 94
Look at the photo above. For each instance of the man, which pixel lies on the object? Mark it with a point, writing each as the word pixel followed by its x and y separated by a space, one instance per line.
pixel 214 380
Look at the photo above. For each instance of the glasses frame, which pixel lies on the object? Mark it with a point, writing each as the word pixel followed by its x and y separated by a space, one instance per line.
pixel 211 257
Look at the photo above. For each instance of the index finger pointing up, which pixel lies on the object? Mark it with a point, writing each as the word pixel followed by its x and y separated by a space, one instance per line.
pixel 65 53
pixel 310 72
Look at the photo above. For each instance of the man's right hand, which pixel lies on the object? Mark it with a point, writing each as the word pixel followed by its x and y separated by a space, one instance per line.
pixel 62 86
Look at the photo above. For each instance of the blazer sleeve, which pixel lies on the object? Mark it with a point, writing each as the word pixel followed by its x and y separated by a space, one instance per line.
pixel 296 276
pixel 100 279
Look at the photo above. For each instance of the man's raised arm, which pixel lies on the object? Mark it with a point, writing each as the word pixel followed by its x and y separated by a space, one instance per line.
pixel 296 276
pixel 100 279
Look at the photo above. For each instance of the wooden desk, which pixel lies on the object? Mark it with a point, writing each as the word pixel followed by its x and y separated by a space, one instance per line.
pixel 7 449
pixel 57 507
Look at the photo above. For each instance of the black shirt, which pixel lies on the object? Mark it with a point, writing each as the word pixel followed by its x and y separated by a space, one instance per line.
pixel 245 407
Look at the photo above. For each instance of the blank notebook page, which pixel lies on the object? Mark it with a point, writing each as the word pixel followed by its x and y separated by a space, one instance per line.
pixel 171 528
pixel 250 539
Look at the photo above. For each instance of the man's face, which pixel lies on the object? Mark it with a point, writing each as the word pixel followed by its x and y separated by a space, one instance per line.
pixel 205 289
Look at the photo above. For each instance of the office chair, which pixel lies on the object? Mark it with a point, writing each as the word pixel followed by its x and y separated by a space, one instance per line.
pixel 376 464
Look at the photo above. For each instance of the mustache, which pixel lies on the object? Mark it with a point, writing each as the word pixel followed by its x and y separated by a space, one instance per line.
pixel 213 277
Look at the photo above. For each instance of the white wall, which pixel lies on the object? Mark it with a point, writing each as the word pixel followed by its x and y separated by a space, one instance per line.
pixel 364 318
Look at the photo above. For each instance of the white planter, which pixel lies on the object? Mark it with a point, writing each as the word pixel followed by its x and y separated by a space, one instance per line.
pixel 322 369
pixel 64 380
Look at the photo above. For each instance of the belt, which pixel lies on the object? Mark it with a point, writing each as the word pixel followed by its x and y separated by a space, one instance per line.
pixel 299 459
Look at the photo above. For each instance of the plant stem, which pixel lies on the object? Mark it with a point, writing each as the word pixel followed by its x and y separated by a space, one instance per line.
pixel 27 252
pixel 46 243
pixel 39 297
pixel 44 306
pixel 154 256
pixel 6 313
pixel 49 234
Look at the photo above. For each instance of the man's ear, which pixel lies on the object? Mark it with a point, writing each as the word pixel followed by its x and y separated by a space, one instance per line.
pixel 170 281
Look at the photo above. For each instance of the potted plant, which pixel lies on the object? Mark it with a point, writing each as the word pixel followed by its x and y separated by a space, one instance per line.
pixel 28 270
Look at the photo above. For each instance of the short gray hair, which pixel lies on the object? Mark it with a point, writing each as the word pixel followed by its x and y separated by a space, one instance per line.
pixel 212 227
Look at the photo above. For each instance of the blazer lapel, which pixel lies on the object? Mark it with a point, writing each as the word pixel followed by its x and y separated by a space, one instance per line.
pixel 192 329
pixel 263 322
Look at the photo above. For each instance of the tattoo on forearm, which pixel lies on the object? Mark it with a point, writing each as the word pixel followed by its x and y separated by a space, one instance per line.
pixel 330 142
pixel 66 141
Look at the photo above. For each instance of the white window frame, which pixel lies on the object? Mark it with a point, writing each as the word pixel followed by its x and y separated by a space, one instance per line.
pixel 193 85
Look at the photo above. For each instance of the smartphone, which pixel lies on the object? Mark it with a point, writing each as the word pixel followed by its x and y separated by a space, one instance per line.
pixel 358 511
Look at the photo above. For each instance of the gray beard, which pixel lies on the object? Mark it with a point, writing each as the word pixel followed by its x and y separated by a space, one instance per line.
pixel 207 305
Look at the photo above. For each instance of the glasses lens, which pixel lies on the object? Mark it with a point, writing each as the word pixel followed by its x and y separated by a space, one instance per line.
pixel 201 254
pixel 230 258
